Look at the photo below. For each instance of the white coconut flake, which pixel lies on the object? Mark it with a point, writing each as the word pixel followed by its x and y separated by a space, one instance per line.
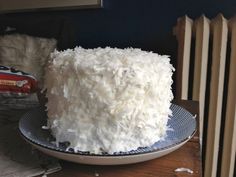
pixel 108 99
pixel 184 170
pixel 45 127
pixel 96 174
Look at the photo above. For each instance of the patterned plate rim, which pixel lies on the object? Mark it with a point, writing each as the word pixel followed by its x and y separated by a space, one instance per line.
pixel 152 150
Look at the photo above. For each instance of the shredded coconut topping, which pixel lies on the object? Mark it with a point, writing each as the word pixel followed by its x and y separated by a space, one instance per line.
pixel 108 99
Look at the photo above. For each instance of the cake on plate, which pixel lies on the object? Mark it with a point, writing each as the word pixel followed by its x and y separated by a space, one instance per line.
pixel 108 99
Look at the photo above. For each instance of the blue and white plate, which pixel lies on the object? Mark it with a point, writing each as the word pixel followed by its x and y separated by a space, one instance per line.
pixel 182 127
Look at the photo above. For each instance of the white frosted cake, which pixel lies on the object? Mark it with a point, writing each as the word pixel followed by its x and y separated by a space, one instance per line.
pixel 108 99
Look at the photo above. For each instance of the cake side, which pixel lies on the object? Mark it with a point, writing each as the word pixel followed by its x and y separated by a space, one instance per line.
pixel 108 99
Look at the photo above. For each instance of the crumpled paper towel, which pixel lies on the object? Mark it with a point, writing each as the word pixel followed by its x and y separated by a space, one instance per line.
pixel 18 159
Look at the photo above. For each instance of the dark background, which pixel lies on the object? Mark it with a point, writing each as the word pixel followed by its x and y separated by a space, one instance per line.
pixel 146 24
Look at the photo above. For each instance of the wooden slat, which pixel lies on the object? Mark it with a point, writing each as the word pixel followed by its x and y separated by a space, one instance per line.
pixel 229 146
pixel 183 32
pixel 202 29
pixel 220 31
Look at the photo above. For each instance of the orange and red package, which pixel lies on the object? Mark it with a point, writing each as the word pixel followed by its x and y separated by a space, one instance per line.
pixel 16 82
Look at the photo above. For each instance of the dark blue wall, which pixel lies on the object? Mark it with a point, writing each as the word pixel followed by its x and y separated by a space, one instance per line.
pixel 145 24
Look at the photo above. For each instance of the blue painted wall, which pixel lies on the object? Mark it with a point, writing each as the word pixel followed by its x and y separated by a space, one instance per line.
pixel 145 24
